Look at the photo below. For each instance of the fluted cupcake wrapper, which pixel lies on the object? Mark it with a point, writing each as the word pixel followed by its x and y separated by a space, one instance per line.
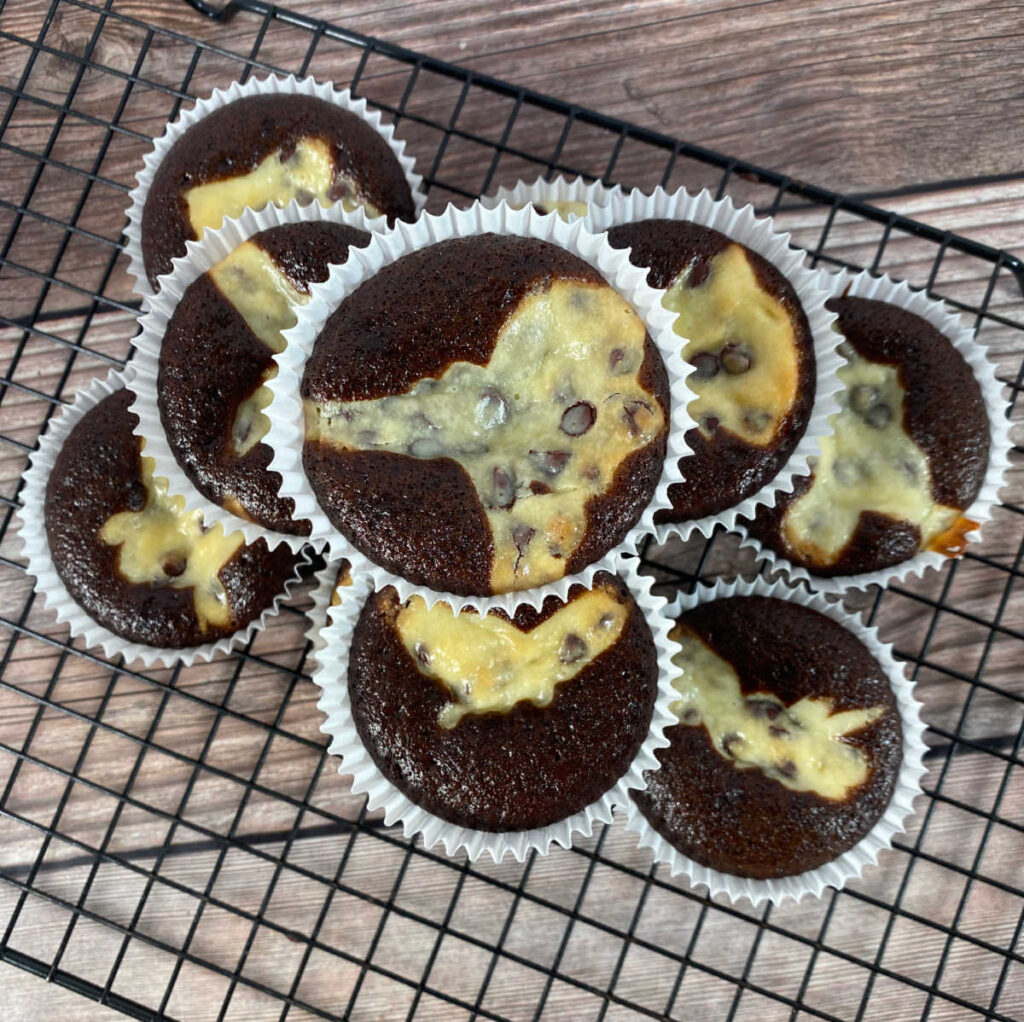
pixel 559 189
pixel 287 430
pixel 36 547
pixel 272 84
pixel 740 224
pixel 330 673
pixel 899 293
pixel 201 256
pixel 851 863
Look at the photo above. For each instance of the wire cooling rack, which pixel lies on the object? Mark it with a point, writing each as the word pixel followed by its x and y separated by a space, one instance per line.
pixel 176 843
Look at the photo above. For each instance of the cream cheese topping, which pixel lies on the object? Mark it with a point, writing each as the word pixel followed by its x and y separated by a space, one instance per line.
pixel 869 463
pixel 165 545
pixel 741 342
pixel 567 209
pixel 306 173
pixel 804 746
pixel 540 430
pixel 488 665
pixel 266 299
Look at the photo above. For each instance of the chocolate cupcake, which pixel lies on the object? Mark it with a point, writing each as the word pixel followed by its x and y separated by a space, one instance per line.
pixel 789 743
pixel 504 724
pixel 267 146
pixel 484 415
pixel 132 558
pixel 749 341
pixel 218 350
pixel 908 456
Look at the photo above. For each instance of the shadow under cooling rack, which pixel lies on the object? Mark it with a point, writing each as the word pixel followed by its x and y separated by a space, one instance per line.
pixel 176 843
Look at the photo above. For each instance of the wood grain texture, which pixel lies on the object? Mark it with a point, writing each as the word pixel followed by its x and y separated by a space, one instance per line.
pixel 852 96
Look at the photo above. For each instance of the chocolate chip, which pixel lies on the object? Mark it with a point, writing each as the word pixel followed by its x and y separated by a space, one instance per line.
pixel 786 767
pixel 709 423
pixel 705 365
pixel 287 150
pixel 847 472
pixel 606 621
pixel 538 489
pixel 592 472
pixel 422 654
pixel 425 447
pixel 174 565
pixel 862 397
pixel 632 412
pixel 758 706
pixel 578 418
pixel 736 359
pixel 503 488
pixel 135 495
pixel 338 191
pixel 757 420
pixel 573 648
pixel 521 536
pixel 304 196
pixel 366 437
pixel 732 743
pixel 551 463
pixel 617 362
pixel 691 716
pixel 878 416
pixel 491 409
pixel 909 469
pixel 777 731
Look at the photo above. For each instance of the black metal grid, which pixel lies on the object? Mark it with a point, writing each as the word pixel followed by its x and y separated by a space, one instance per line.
pixel 232 874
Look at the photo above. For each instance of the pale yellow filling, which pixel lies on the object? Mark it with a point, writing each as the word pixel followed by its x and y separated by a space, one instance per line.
pixel 567 209
pixel 266 299
pixel 567 358
pixel 342 581
pixel 163 545
pixel 804 746
pixel 730 310
pixel 870 463
pixel 307 174
pixel 489 665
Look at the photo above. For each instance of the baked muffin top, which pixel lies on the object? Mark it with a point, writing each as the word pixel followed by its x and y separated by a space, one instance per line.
pixel 499 723
pixel 267 148
pixel 748 339
pixel 485 414
pixel 133 558
pixel 218 352
pixel 908 455
pixel 788 745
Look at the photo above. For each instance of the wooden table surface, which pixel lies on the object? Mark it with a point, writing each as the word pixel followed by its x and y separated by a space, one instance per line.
pixel 916 104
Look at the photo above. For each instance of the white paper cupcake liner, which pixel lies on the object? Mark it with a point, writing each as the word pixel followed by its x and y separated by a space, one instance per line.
pixel 48 583
pixel 759 234
pixel 851 863
pixel 201 256
pixel 287 429
pixel 885 289
pixel 331 674
pixel 560 189
pixel 322 595
pixel 289 85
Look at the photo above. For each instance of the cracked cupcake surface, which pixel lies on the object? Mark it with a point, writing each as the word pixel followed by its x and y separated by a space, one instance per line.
pixel 218 352
pixel 262 149
pixel 788 744
pixel 499 723
pixel 485 415
pixel 748 339
pixel 133 558
pixel 908 454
